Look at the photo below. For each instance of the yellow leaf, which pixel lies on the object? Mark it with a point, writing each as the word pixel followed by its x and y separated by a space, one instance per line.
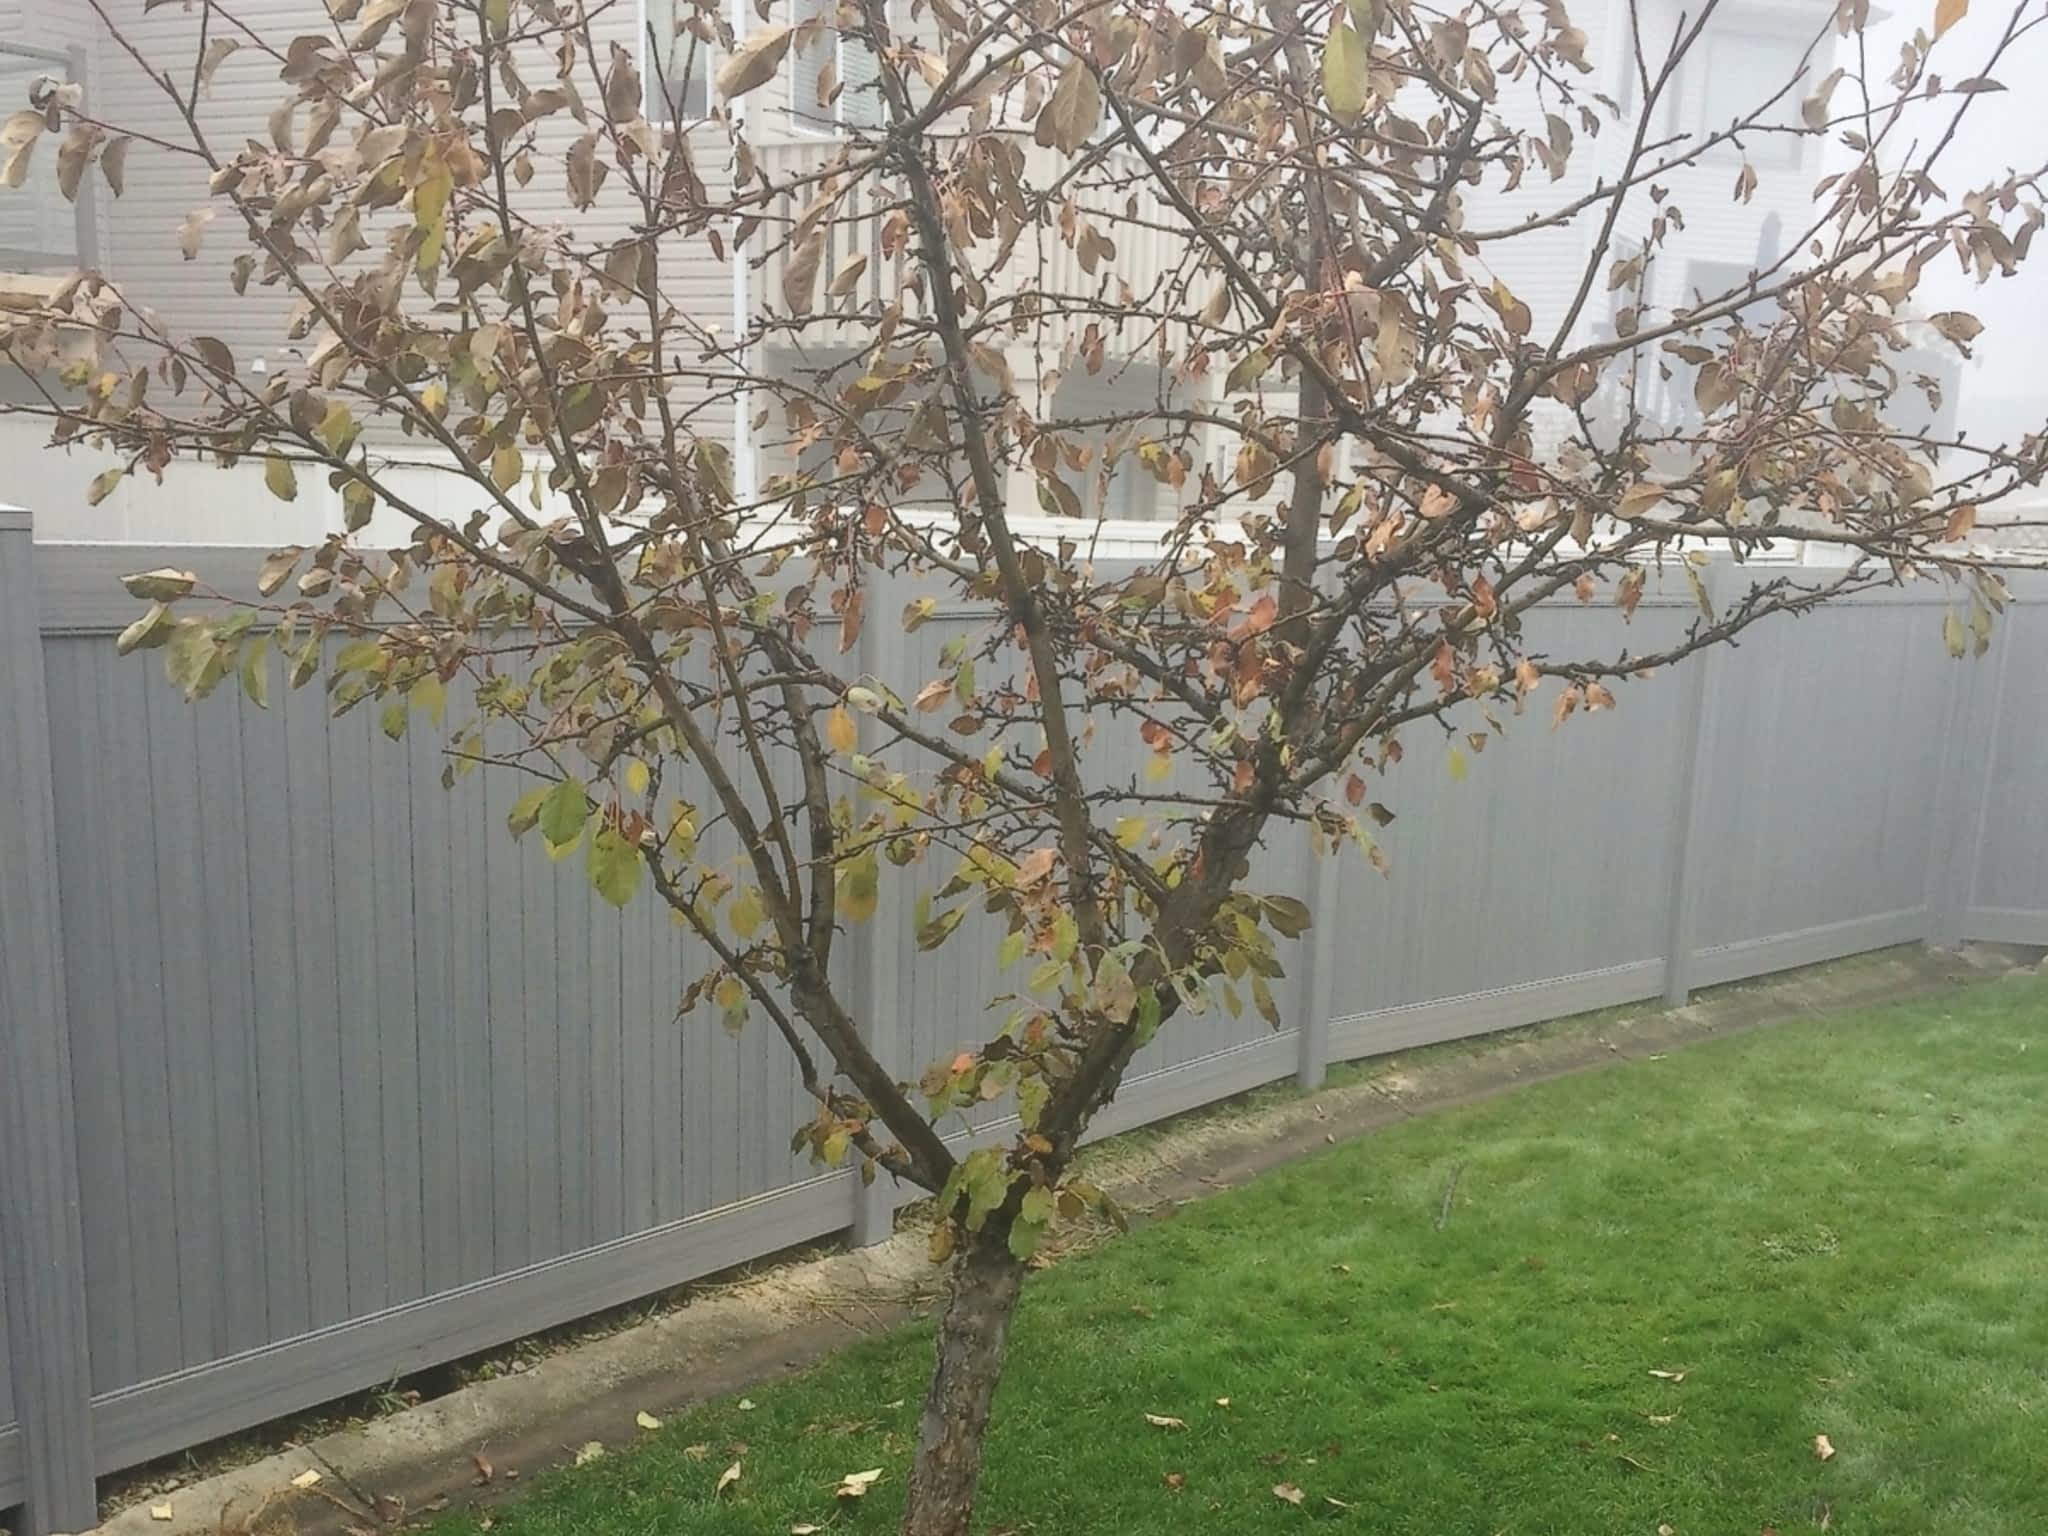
pixel 1947 13
pixel 726 1479
pixel 1162 1421
pixel 1159 766
pixel 1823 1448
pixel 307 1478
pixel 1287 1493
pixel 160 1512
pixel 592 1450
pixel 1344 73
pixel 1130 831
pixel 646 1420
pixel 840 730
pixel 636 776
pixel 746 913
pixel 279 477
pixel 856 1484
pixel 1457 766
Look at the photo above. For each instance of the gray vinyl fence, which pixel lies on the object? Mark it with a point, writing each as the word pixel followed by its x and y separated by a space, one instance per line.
pixel 310 1076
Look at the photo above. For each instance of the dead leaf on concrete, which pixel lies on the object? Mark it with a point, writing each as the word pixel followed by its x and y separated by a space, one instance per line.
pixel 855 1485
pixel 1287 1493
pixel 160 1512
pixel 1161 1421
pixel 307 1479
pixel 1823 1447
pixel 592 1450
pixel 646 1420
pixel 726 1479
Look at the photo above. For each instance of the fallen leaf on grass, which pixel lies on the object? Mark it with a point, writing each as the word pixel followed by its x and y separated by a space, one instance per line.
pixel 805 1530
pixel 1175 1481
pixel 1672 1376
pixel 726 1479
pixel 1823 1447
pixel 1161 1421
pixel 592 1450
pixel 855 1485
pixel 1666 1530
pixel 1336 1503
pixel 1287 1493
pixel 159 1511
pixel 745 1405
pixel 307 1478
pixel 1222 1402
pixel 1661 1419
pixel 697 1452
pixel 646 1420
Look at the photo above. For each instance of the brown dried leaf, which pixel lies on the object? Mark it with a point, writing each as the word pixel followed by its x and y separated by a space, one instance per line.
pixel 726 1479
pixel 1823 1448
pixel 1287 1493
pixel 1162 1421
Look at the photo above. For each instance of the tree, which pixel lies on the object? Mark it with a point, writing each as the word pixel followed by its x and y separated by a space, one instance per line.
pixel 1333 202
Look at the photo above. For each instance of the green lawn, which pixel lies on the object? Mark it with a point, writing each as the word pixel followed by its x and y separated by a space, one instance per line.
pixel 1837 1227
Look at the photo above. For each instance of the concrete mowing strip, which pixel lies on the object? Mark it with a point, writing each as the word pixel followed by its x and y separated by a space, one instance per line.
pixel 433 1456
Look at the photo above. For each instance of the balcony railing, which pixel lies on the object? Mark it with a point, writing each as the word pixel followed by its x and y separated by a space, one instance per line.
pixel 1074 291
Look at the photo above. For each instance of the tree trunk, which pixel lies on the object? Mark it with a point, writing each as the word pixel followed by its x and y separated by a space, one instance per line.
pixel 974 1335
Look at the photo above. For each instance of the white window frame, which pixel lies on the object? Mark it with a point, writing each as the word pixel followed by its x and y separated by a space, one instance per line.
pixel 708 59
pixel 809 122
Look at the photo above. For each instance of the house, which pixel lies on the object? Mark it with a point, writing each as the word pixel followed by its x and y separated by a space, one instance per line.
pixel 819 100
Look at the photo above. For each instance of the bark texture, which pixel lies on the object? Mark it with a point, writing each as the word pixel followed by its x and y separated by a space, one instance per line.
pixel 974 1335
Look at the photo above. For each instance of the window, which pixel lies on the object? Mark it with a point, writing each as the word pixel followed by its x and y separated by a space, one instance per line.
pixel 1731 72
pixel 840 68
pixel 41 231
pixel 679 63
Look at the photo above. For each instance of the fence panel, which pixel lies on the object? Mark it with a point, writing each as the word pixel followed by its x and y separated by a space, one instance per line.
pixel 1528 880
pixel 2005 881
pixel 361 1085
pixel 1819 807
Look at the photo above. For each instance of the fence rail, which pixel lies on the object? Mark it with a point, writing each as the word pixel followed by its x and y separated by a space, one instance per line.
pixel 309 1076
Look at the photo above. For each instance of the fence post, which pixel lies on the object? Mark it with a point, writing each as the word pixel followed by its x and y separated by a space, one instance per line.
pixel 874 1205
pixel 42 1256
pixel 1319 953
pixel 1694 762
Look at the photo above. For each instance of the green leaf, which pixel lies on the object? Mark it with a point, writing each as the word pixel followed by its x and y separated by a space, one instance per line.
pixel 1344 73
pixel 1011 950
pixel 256 672
pixel 164 585
pixel 392 721
pixel 563 811
pixel 526 810
pixel 934 933
pixel 280 478
pixel 1145 1020
pixel 191 659
pixel 1024 1236
pixel 147 632
pixel 1247 370
pixel 1288 915
pixel 860 888
pixel 614 866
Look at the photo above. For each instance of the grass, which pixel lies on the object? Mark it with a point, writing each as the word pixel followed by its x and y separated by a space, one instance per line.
pixel 1837 1227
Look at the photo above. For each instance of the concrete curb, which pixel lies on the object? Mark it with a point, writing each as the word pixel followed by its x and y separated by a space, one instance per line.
pixel 386 1471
